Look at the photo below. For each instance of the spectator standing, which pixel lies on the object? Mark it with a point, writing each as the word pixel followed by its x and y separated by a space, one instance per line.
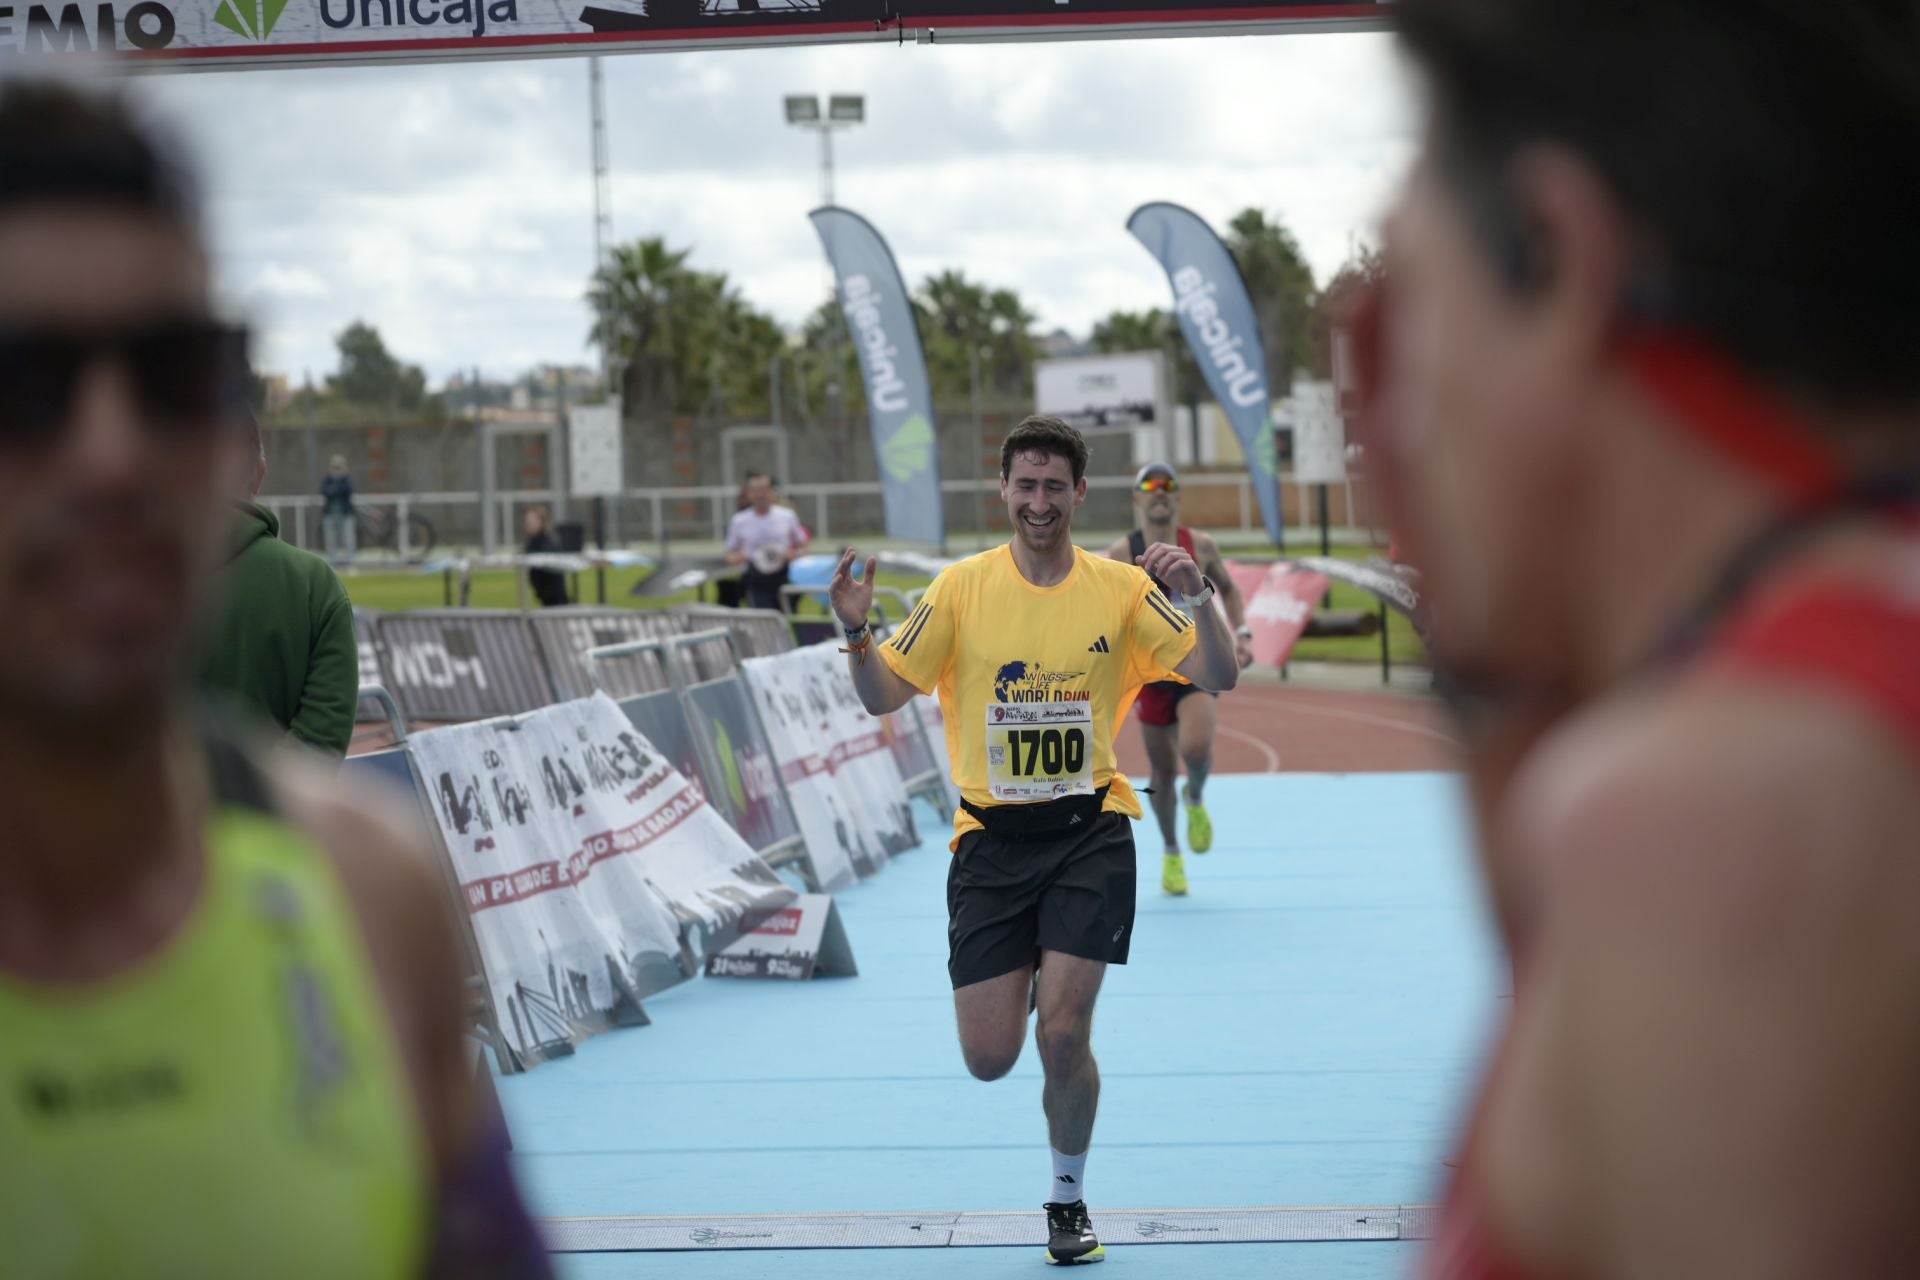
pixel 336 520
pixel 281 643
pixel 549 585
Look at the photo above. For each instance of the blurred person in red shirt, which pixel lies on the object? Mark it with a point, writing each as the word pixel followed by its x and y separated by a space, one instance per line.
pixel 1644 395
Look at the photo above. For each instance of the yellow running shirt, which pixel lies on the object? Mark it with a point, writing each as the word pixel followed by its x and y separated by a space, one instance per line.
pixel 1034 681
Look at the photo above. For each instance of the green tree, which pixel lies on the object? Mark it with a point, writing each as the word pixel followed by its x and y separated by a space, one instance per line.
pixel 371 376
pixel 1284 297
pixel 1154 330
pixel 686 341
pixel 960 319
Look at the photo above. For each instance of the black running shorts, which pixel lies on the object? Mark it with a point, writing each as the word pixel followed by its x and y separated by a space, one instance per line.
pixel 1009 900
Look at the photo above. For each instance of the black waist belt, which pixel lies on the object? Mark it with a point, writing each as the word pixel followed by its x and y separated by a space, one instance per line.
pixel 1017 822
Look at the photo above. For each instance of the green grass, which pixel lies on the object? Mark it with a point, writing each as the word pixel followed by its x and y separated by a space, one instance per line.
pixel 496 589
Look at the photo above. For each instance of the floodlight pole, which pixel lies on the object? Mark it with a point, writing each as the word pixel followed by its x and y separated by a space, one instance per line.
pixel 602 200
pixel 826 163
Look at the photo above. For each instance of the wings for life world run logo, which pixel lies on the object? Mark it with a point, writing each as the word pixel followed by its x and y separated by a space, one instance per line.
pixel 1032 682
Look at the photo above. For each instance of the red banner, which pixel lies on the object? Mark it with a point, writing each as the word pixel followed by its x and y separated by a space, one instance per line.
pixel 1280 599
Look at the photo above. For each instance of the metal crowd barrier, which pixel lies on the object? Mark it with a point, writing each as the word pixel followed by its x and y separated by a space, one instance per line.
pixel 697 702
pixel 760 633
pixel 566 635
pixel 462 664
pixel 365 625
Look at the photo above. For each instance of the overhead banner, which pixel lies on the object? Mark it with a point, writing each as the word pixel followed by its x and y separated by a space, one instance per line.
pixel 229 34
pixel 880 321
pixel 1218 319
pixel 587 862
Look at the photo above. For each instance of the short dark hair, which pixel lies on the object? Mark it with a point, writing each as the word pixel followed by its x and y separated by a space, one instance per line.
pixel 63 143
pixel 1044 433
pixel 1766 153
pixel 751 476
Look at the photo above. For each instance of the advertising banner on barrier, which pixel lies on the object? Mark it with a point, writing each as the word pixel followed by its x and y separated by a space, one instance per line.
pixel 1280 598
pixel 584 858
pixel 879 314
pixel 805 940
pixel 364 622
pixel 722 716
pixel 226 34
pixel 660 720
pixel 1221 327
pixel 846 790
pixel 936 722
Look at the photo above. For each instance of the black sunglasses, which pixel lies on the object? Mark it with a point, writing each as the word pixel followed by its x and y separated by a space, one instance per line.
pixel 189 375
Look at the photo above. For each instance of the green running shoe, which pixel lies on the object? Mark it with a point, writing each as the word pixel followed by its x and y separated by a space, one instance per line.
pixel 1199 825
pixel 1173 876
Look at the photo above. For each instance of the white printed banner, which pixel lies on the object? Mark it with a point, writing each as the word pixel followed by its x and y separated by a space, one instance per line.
pixel 846 788
pixel 261 33
pixel 936 724
pixel 590 866
pixel 805 940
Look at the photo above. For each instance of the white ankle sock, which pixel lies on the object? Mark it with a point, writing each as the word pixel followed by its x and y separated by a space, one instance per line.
pixel 1069 1178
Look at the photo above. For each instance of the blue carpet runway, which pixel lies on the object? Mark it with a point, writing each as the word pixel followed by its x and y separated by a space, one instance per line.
pixel 1299 1031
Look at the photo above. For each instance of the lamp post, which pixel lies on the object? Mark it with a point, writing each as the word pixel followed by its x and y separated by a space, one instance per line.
pixel 843 111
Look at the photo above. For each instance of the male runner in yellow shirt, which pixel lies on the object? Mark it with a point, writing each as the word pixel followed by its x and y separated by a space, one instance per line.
pixel 1037 649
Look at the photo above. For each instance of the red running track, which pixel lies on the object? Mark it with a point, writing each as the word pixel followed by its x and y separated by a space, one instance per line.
pixel 1277 728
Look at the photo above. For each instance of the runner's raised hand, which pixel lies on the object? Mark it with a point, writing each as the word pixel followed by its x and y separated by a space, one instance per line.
pixel 852 600
pixel 1173 566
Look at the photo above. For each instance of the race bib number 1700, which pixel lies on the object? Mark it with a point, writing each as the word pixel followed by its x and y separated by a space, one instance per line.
pixel 1039 750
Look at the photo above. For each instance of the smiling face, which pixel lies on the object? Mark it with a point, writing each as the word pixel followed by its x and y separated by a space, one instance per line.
pixel 1041 494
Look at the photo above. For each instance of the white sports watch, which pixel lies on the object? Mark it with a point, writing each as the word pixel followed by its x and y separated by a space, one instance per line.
pixel 1187 604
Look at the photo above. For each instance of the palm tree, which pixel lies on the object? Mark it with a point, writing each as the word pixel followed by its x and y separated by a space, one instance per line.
pixel 1281 285
pixel 639 300
pixel 688 342
pixel 1153 330
pixel 961 318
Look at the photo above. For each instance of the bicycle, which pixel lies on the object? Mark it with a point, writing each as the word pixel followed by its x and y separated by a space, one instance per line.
pixel 380 527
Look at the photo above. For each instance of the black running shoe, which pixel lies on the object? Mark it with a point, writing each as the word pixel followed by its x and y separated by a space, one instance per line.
pixel 1070 1237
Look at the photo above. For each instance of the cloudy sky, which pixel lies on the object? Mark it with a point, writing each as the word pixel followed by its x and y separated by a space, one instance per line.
pixel 451 205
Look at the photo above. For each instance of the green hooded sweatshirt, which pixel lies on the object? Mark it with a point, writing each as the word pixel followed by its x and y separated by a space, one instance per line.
pixel 281 641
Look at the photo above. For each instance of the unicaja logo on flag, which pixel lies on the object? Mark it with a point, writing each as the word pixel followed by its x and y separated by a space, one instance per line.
pixel 1193 298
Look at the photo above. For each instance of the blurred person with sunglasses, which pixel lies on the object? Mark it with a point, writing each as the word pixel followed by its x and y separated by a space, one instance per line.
pixel 1643 385
pixel 1175 724
pixel 231 996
